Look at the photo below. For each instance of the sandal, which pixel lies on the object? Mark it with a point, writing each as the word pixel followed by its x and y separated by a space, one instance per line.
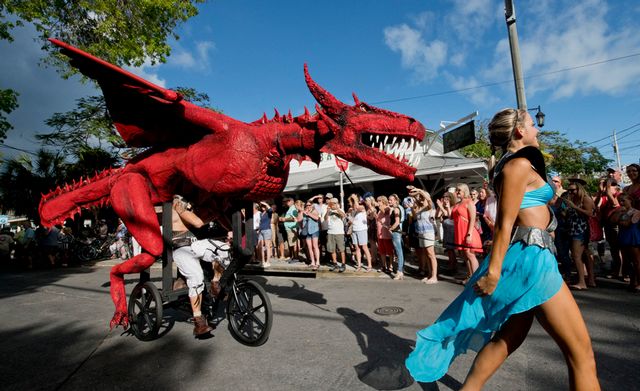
pixel 577 288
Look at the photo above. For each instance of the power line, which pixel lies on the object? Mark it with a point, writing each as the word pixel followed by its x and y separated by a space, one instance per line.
pixel 507 81
pixel 622 131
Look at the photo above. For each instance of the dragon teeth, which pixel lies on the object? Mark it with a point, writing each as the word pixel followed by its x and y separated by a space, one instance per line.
pixel 377 138
pixel 417 162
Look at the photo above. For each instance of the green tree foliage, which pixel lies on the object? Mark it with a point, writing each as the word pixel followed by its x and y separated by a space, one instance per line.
pixel 8 103
pixel 120 32
pixel 482 147
pixel 89 127
pixel 572 158
pixel 24 178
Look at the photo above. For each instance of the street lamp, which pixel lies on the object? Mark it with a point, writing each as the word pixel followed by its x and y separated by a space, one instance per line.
pixel 539 116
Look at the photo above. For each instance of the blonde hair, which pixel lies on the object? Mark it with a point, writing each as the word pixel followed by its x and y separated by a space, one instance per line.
pixel 464 188
pixel 383 200
pixel 502 125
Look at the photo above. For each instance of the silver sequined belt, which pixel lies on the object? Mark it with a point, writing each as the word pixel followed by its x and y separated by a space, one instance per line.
pixel 533 236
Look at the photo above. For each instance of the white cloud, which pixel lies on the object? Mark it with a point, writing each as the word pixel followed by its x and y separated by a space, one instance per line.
pixel 149 73
pixel 480 97
pixel 553 34
pixel 589 37
pixel 197 59
pixel 470 19
pixel 423 58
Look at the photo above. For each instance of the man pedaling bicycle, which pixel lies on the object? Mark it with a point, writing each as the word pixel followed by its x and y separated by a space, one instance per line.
pixel 187 253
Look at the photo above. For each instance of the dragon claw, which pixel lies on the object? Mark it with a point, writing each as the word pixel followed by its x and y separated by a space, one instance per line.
pixel 119 319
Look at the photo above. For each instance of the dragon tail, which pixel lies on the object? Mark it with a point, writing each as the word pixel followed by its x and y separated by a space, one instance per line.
pixel 64 202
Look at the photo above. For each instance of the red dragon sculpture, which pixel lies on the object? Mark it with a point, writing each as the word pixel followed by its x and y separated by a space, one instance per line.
pixel 213 159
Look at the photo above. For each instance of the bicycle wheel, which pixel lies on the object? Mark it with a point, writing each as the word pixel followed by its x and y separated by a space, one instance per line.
pixel 249 313
pixel 145 311
pixel 87 253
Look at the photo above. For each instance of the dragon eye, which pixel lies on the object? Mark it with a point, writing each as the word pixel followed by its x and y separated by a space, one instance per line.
pixel 363 107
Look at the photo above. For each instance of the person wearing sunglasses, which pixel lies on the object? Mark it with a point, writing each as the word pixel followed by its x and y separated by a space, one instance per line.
pixel 517 281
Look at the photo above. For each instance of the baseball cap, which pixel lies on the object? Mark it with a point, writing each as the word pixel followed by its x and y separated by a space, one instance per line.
pixel 328 196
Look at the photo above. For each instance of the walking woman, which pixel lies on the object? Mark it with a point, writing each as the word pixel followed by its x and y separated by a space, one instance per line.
pixel 467 237
pixel 517 281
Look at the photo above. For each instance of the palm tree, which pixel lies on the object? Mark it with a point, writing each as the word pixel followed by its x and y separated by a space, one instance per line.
pixel 24 179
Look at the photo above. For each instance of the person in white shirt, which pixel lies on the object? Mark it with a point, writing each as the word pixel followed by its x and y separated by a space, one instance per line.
pixel 358 221
pixel 335 234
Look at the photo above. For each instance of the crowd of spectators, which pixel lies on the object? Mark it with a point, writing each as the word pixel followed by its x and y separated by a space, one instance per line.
pixel 383 232
pixel 378 233
pixel 29 247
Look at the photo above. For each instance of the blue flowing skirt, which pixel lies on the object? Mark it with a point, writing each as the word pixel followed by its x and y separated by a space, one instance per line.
pixel 529 278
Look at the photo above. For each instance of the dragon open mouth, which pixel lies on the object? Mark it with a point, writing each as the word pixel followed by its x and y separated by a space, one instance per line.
pixel 405 149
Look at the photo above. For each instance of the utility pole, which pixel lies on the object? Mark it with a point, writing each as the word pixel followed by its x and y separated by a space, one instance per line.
pixel 510 16
pixel 616 150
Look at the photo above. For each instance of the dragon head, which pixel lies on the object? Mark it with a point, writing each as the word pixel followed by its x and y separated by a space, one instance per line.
pixel 366 135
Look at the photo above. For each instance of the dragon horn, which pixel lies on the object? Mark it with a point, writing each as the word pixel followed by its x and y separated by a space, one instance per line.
pixel 355 99
pixel 276 117
pixel 264 118
pixel 307 116
pixel 327 124
pixel 329 102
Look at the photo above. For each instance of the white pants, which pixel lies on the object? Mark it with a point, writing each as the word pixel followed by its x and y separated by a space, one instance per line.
pixel 188 258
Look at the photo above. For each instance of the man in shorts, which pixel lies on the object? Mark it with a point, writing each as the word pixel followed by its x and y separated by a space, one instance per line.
pixel 290 221
pixel 187 253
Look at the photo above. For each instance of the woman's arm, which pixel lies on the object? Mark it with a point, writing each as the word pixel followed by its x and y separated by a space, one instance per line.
pixel 587 206
pixel 396 220
pixel 515 176
pixel 471 207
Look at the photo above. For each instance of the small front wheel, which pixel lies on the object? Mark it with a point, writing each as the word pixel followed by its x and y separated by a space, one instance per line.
pixel 87 253
pixel 249 313
pixel 145 311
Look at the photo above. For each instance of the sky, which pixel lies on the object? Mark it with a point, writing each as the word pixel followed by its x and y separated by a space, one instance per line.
pixel 437 60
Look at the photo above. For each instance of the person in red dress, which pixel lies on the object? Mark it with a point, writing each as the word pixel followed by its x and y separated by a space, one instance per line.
pixel 467 237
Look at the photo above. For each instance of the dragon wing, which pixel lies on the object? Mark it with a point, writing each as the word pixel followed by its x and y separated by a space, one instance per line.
pixel 144 114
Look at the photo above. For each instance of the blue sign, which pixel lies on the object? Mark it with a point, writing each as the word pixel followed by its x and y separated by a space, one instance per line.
pixel 4 219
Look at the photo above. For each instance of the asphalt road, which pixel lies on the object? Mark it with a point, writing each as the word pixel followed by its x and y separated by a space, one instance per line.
pixel 325 336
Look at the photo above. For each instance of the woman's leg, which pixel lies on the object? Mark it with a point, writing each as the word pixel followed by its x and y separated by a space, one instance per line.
pixel 367 255
pixel 473 260
pixel 493 354
pixel 396 239
pixel 589 263
pixel 431 255
pixel 309 241
pixel 561 318
pixel 358 253
pixel 577 248
pixel 316 249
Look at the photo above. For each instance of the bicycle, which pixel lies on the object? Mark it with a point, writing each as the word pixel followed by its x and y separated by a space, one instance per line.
pixel 248 308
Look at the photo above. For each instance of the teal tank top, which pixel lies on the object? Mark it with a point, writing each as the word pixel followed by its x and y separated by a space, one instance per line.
pixel 537 197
